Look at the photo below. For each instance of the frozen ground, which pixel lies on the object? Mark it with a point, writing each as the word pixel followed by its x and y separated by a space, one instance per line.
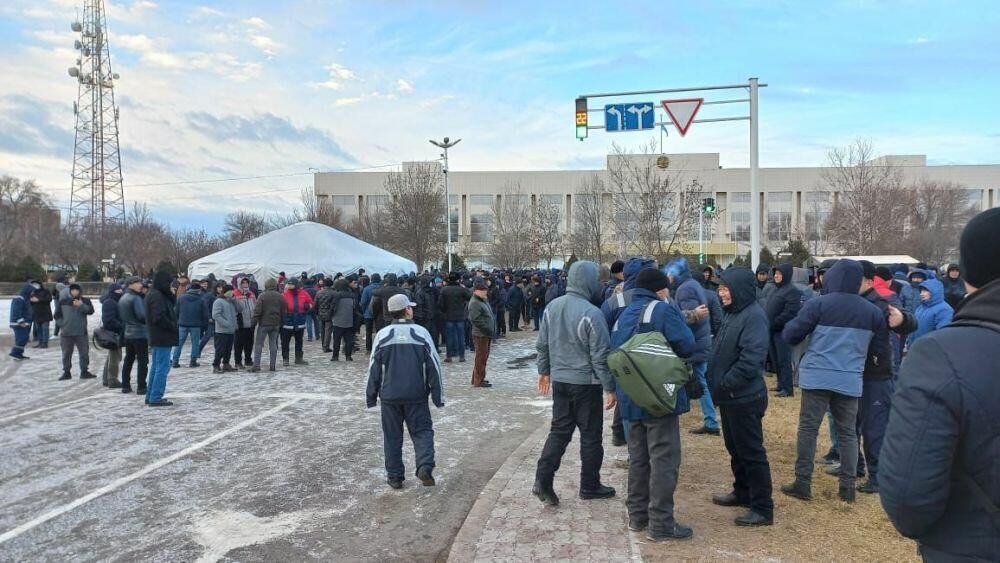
pixel 248 467
pixel 6 332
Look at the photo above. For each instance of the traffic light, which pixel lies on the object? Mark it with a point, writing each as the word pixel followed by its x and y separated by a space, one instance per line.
pixel 581 118
pixel 708 205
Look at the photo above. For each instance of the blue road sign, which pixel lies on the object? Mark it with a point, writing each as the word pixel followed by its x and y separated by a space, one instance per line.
pixel 629 117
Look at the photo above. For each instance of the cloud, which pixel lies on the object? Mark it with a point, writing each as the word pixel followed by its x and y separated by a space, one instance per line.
pixel 140 43
pixel 257 23
pixel 404 86
pixel 267 45
pixel 32 128
pixel 918 41
pixel 337 75
pixel 136 12
pixel 343 102
pixel 55 37
pixel 265 128
pixel 205 12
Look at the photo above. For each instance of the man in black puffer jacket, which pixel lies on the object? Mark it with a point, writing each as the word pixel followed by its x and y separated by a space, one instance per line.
pixel 736 379
pixel 380 297
pixel 161 319
pixel 452 303
pixel 940 467
pixel 782 306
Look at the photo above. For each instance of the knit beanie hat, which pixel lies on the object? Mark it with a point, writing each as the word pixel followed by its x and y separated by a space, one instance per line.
pixel 867 269
pixel 980 255
pixel 884 273
pixel 651 279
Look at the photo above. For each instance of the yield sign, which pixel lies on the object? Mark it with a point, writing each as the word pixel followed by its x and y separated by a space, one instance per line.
pixel 682 112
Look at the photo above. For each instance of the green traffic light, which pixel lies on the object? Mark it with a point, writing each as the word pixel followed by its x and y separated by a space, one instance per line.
pixel 581 132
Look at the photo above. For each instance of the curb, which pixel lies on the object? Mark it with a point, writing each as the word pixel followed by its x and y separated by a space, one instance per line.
pixel 463 547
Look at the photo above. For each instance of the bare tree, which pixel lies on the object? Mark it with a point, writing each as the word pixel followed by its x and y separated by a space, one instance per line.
pixel 415 210
pixel 544 231
pixel 241 226
pixel 868 215
pixel 142 241
pixel 591 219
pixel 23 207
pixel 320 210
pixel 512 245
pixel 937 213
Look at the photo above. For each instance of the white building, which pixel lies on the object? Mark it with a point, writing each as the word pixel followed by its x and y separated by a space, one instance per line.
pixel 793 200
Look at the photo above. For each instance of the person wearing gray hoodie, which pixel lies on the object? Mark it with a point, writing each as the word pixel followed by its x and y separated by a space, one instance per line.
pixel 573 346
pixel 224 319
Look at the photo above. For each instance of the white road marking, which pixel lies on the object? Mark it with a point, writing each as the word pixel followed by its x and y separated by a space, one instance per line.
pixel 118 483
pixel 51 407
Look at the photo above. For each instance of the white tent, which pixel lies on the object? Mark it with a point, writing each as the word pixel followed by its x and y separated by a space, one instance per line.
pixel 302 247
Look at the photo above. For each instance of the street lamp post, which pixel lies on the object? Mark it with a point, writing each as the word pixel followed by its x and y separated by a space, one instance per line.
pixel 446 144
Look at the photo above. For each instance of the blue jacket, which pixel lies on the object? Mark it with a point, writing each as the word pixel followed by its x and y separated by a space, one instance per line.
pixel 404 366
pixel 933 313
pixel 907 295
pixel 842 325
pixel 943 436
pixel 614 305
pixel 515 298
pixel 688 294
pixel 366 299
pixel 191 310
pixel 736 369
pixel 20 307
pixel 666 319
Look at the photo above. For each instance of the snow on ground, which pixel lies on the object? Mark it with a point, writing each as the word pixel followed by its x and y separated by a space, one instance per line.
pixel 269 466
pixel 94 321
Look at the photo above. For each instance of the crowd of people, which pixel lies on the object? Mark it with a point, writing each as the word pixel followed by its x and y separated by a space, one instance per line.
pixel 922 431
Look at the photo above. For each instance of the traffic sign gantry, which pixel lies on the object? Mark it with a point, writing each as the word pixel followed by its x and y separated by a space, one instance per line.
pixel 629 117
pixel 682 112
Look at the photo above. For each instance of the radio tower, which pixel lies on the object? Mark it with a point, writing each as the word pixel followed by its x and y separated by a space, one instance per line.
pixel 97 199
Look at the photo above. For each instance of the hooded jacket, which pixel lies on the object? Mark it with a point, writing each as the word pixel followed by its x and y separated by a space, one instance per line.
pixel 41 310
pixel 667 319
pixel 380 300
pixel 954 290
pixel 766 288
pixel 736 367
pixel 366 297
pixel 297 306
pixel 342 307
pixel 20 307
pixel 453 300
pixel 161 313
pixel 842 325
pixel 907 295
pixel 880 363
pixel 942 439
pixel 614 305
pixel 785 300
pixel 110 319
pixel 688 294
pixel 191 311
pixel 933 313
pixel 132 312
pixel 224 315
pixel 573 341
pixel 73 321
pixel 404 366
pixel 245 304
pixel 271 308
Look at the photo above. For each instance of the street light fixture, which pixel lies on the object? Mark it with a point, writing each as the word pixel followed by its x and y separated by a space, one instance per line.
pixel 446 144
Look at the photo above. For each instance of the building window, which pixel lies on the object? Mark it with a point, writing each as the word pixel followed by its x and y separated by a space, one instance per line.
pixel 739 216
pixel 481 217
pixel 376 202
pixel 454 215
pixel 815 212
pixel 347 204
pixel 974 200
pixel 557 201
pixel 780 206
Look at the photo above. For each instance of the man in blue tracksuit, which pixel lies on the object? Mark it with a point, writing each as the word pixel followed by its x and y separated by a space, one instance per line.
pixel 654 443
pixel 689 295
pixel 403 371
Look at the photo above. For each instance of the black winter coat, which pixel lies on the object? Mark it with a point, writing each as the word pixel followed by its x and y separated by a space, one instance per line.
pixel 736 366
pixel 453 301
pixel 109 314
pixel 380 300
pixel 943 438
pixel 161 313
pixel 41 311
pixel 878 364
pixel 785 301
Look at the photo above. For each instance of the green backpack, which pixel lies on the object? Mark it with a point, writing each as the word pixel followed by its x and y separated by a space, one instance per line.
pixel 646 368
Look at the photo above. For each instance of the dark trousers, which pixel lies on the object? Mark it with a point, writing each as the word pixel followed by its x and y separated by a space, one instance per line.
pixel 244 346
pixel 21 336
pixel 501 321
pixel 456 339
pixel 743 432
pixel 813 407
pixel 617 428
pixel 574 406
pixel 286 337
pixel 82 345
pixel 418 422
pixel 654 451
pixel 873 416
pixel 223 344
pixel 482 356
pixel 536 316
pixel 136 349
pixel 369 325
pixel 326 334
pixel 782 357
pixel 440 333
pixel 345 335
pixel 513 316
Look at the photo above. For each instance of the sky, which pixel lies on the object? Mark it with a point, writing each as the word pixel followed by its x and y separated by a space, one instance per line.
pixel 223 90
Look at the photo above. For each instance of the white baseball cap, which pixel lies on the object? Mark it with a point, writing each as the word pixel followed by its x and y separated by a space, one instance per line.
pixel 399 302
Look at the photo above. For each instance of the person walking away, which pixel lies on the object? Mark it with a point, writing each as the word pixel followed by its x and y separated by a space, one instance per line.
pixel 654 442
pixel 191 317
pixel 41 312
pixel 933 313
pixel 366 300
pixel 344 308
pixel 782 306
pixel 20 321
pixel 111 321
pixel 403 372
pixel 298 304
pixel 132 313
pixel 380 297
pixel 75 309
pixel 940 464
pixel 268 316
pixel 245 300
pixel 689 296
pixel 483 331
pixel 841 325
pixel 423 313
pixel 454 298
pixel 161 322
pixel 515 303
pixel 573 345
pixel 224 320
pixel 536 300
pixel 324 302
pixel 736 379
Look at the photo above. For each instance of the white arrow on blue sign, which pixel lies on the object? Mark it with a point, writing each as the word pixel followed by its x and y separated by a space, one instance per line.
pixel 629 117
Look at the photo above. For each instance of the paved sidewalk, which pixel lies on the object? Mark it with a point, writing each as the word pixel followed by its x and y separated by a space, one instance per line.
pixel 508 523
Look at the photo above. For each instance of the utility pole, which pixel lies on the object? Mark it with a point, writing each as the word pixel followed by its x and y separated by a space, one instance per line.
pixel 97 200
pixel 447 144
pixel 754 189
